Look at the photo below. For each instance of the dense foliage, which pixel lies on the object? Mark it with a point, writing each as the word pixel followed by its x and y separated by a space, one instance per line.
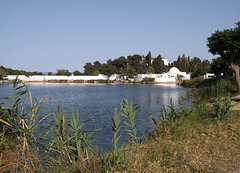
pixel 226 43
pixel 139 64
pixel 8 71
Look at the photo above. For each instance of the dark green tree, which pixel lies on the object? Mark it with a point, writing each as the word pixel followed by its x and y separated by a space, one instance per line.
pixel 63 72
pixel 108 68
pixel 77 73
pixel 178 63
pixel 131 72
pixel 158 65
pixel 219 66
pixel 226 43
pixel 195 64
pixel 88 69
pixel 3 73
pixel 134 62
pixel 206 66
pixel 238 24
pixel 148 59
pixel 120 63
pixel 97 65
pixel 96 72
pixel 182 63
pixel 143 66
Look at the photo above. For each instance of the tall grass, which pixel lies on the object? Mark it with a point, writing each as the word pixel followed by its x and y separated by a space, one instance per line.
pixel 62 142
pixel 221 110
pixel 66 145
pixel 216 88
pixel 18 130
pixel 124 118
pixel 128 112
pixel 171 113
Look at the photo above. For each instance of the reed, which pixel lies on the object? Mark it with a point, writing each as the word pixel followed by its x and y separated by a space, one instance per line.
pixel 221 109
pixel 67 145
pixel 21 123
pixel 216 89
pixel 171 114
pixel 69 142
pixel 128 112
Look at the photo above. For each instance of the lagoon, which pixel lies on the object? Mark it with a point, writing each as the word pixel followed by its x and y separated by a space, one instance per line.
pixel 97 102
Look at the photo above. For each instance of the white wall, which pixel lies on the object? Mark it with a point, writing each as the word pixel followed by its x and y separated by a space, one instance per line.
pixel 46 78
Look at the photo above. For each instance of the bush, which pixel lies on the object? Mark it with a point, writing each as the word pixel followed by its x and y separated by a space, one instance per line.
pixel 192 82
pixel 215 88
pixel 221 110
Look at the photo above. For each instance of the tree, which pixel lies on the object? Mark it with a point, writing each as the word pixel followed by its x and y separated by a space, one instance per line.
pixel 108 69
pixel 158 65
pixel 63 72
pixel 77 73
pixel 120 63
pixel 134 62
pixel 97 65
pixel 96 72
pixel 238 24
pixel 143 66
pixel 195 64
pixel 178 63
pixel 3 73
pixel 206 66
pixel 182 63
pixel 219 66
pixel 131 72
pixel 226 43
pixel 150 70
pixel 148 59
pixel 88 69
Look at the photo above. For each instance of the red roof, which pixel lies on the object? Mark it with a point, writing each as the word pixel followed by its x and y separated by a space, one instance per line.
pixel 154 58
pixel 161 57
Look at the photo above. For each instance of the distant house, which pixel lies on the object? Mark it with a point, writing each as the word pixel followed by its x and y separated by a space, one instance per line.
pixel 164 60
pixel 169 77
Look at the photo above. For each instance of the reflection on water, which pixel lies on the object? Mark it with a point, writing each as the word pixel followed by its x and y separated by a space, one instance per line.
pixel 97 102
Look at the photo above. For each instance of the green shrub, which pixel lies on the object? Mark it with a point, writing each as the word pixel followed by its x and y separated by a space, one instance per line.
pixel 221 110
pixel 19 124
pixel 171 114
pixel 217 87
pixel 192 82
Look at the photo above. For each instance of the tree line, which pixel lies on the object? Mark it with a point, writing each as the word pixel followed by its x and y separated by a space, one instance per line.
pixel 130 67
pixel 139 64
pixel 8 71
pixel 224 43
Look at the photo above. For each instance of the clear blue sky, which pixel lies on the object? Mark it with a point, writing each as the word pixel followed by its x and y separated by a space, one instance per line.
pixel 46 35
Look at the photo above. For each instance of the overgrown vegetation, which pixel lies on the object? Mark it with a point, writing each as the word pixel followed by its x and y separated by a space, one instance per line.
pixel 217 87
pixel 191 83
pixel 200 138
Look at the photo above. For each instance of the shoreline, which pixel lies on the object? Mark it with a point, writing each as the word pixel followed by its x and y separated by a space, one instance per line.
pixel 122 82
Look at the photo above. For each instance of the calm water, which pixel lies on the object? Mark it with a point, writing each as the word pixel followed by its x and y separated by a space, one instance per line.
pixel 97 102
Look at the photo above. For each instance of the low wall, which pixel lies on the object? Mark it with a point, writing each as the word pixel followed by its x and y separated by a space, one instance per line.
pixel 63 79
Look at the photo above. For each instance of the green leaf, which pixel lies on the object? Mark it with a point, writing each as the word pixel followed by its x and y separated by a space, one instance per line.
pixel 1 120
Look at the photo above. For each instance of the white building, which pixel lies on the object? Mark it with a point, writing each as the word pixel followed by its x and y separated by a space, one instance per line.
pixel 169 77
pixel 46 78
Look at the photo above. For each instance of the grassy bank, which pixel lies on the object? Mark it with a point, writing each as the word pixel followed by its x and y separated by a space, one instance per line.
pixel 196 141
pixel 200 138
pixel 193 144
